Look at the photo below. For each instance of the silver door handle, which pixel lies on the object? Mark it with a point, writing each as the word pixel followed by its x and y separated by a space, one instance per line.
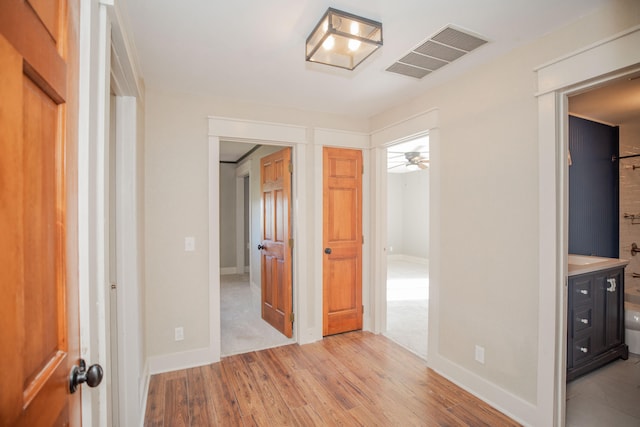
pixel 612 283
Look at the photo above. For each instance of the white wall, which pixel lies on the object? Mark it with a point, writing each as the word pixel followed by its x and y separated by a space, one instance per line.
pixel 176 206
pixel 415 217
pixel 630 199
pixel 395 206
pixel 228 217
pixel 488 210
pixel 408 213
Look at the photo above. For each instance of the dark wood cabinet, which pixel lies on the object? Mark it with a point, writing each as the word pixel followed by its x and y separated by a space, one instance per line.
pixel 595 326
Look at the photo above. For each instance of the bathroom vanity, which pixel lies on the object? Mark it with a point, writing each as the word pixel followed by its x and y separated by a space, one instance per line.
pixel 595 324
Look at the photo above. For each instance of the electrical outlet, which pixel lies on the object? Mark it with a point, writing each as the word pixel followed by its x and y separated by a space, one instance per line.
pixel 480 354
pixel 189 244
pixel 390 248
pixel 179 333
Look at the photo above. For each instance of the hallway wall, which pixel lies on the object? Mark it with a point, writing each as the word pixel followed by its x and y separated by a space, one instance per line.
pixel 488 208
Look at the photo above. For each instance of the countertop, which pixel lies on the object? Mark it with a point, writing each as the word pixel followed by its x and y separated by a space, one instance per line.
pixel 581 264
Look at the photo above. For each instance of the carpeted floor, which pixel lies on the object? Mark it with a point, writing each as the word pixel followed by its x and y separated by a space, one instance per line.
pixel 408 304
pixel 243 329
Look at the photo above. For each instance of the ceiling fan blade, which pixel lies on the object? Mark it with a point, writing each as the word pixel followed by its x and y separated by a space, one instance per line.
pixel 422 165
pixel 396 166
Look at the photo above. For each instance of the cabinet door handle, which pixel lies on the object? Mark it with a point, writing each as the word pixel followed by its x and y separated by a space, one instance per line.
pixel 612 283
pixel 585 321
pixel 584 349
pixel 584 292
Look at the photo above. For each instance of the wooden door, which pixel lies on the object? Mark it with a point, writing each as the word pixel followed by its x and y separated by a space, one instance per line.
pixel 38 212
pixel 276 245
pixel 342 240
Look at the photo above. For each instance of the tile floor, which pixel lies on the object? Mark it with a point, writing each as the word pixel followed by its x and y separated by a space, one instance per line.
pixel 609 396
pixel 408 304
pixel 241 324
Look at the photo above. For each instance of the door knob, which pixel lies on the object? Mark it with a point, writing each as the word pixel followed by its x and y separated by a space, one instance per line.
pixel 327 251
pixel 261 247
pixel 80 374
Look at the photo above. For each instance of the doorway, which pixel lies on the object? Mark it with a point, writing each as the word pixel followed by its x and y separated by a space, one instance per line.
pixel 242 327
pixel 593 113
pixel 408 244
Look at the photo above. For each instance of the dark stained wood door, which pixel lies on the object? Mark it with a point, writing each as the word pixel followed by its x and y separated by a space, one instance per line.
pixel 275 248
pixel 342 240
pixel 38 203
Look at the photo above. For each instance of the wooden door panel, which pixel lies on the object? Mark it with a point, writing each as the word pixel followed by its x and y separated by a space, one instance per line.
pixel 342 214
pixel 342 239
pixel 275 179
pixel 38 146
pixel 47 11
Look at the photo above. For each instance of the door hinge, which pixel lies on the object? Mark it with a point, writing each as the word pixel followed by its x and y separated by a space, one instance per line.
pixel 363 309
pixel 291 317
pixel 291 243
pixel 363 239
pixel 363 169
pixel 291 167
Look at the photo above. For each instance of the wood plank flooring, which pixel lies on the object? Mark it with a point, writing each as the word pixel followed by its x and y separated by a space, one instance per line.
pixel 350 379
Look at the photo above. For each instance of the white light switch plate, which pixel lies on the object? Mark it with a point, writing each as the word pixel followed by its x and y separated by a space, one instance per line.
pixel 189 244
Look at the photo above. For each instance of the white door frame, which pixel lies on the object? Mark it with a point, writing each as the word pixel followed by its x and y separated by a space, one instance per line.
pixel 266 133
pixel 382 191
pixel 587 68
pixel 421 124
pixel 101 34
pixel 242 171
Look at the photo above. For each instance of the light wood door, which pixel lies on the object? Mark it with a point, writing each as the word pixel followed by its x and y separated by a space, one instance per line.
pixel 38 204
pixel 342 240
pixel 275 248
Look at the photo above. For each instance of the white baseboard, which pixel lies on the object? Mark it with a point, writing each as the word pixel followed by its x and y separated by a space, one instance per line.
pixel 408 258
pixel 519 409
pixel 224 271
pixel 144 390
pixel 182 360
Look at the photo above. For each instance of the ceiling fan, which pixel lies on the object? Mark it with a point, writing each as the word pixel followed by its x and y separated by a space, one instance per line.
pixel 414 160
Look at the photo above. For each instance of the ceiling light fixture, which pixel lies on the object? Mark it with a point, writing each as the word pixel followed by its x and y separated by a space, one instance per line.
pixel 343 40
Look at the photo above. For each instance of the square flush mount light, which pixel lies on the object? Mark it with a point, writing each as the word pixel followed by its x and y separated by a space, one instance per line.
pixel 343 40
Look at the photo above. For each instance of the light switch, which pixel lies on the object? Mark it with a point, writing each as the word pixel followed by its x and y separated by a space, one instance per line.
pixel 189 244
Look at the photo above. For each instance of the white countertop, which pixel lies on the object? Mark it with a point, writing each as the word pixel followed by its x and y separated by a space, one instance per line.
pixel 581 264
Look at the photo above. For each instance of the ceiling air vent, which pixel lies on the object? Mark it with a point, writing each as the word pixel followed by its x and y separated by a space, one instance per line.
pixel 439 50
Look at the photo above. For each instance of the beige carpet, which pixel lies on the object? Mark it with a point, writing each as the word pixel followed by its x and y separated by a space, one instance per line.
pixel 242 327
pixel 408 304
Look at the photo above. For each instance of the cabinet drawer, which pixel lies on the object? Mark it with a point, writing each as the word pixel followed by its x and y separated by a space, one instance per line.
pixel 581 320
pixel 581 349
pixel 582 290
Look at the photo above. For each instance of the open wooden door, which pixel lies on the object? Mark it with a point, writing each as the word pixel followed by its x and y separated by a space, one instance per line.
pixel 342 239
pixel 276 246
pixel 39 337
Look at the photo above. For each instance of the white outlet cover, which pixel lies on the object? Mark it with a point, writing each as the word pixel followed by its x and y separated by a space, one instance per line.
pixel 179 334
pixel 479 354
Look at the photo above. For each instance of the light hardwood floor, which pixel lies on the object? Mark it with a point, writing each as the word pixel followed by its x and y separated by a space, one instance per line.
pixel 356 378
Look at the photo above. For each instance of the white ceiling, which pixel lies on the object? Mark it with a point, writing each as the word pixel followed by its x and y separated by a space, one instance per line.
pixel 616 103
pixel 253 51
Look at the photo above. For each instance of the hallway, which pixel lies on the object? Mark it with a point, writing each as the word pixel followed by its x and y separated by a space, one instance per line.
pixel 242 328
